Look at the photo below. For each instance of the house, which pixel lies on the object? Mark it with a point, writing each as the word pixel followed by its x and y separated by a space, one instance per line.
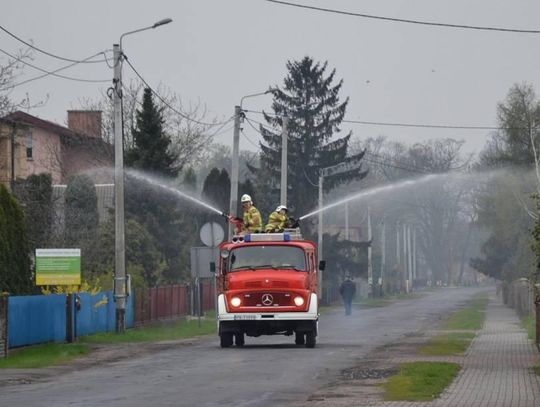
pixel 30 145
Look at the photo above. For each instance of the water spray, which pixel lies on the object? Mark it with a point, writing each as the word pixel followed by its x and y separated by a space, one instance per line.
pixel 174 191
pixel 373 191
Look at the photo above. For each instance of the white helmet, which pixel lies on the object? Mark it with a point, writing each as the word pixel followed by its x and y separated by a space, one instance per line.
pixel 280 207
pixel 245 198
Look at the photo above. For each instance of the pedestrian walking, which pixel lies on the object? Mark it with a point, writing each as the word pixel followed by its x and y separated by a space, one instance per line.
pixel 347 289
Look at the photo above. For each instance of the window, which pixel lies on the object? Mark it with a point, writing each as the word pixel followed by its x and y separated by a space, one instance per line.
pixel 277 257
pixel 29 145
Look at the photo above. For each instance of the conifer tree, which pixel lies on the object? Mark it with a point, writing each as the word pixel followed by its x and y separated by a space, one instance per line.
pixel 151 145
pixel 310 99
pixel 15 269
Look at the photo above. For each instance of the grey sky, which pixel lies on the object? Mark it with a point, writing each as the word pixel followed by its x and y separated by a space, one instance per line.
pixel 217 51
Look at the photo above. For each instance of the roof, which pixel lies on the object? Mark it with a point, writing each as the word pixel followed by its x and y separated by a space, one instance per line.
pixel 25 118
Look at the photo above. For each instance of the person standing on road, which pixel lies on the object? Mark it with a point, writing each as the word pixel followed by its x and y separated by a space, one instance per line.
pixel 347 289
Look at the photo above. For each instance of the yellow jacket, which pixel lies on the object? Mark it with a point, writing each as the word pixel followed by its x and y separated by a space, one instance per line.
pixel 276 222
pixel 252 220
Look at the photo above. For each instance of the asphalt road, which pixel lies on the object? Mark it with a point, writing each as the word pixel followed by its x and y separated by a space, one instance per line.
pixel 268 371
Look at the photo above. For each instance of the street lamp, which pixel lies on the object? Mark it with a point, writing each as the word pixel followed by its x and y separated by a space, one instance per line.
pixel 120 246
pixel 236 156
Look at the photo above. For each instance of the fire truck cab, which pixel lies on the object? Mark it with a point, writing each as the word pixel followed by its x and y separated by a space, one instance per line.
pixel 267 284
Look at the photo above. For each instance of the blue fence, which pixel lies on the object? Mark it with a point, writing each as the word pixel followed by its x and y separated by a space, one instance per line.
pixel 42 318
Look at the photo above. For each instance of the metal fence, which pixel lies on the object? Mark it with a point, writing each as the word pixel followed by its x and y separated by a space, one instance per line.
pixel 172 301
pixel 34 319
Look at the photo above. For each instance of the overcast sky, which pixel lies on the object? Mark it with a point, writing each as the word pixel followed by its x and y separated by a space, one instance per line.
pixel 217 51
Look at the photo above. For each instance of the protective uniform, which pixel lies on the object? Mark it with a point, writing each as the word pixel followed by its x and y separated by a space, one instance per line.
pixel 252 216
pixel 277 221
pixel 253 220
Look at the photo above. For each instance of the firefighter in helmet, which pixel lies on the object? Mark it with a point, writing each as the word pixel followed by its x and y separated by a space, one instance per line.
pixel 252 216
pixel 278 220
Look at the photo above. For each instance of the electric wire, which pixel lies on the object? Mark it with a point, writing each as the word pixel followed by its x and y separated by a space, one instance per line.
pixel 217 132
pixel 52 73
pixel 407 21
pixel 414 125
pixel 185 116
pixel 248 139
pixel 35 78
pixel 86 61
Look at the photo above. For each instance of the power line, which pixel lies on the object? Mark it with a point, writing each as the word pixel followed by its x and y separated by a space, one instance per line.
pixel 47 74
pixel 217 132
pixel 407 21
pixel 52 73
pixel 49 53
pixel 416 125
pixel 185 116
pixel 248 139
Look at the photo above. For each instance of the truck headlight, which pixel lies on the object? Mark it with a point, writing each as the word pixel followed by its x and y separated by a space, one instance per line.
pixel 235 301
pixel 299 301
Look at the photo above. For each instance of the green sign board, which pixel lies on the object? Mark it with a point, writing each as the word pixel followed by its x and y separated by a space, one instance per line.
pixel 58 266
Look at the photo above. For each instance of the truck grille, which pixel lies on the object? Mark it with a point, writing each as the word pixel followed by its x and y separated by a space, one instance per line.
pixel 268 299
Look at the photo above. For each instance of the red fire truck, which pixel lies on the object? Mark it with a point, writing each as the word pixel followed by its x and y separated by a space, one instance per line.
pixel 268 285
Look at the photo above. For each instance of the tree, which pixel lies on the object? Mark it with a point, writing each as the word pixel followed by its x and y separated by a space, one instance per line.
pixel 151 149
pixel 518 140
pixel 310 100
pixel 217 189
pixel 35 192
pixel 81 210
pixel 15 269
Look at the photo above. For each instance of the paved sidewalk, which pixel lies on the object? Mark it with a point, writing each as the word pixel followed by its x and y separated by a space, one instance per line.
pixel 496 370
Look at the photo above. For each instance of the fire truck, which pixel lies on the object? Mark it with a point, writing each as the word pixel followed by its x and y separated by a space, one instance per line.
pixel 267 284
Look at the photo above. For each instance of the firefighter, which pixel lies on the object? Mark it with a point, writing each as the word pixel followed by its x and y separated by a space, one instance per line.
pixel 278 220
pixel 252 216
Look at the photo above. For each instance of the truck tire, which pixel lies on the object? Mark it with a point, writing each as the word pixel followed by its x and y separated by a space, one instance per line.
pixel 239 339
pixel 299 338
pixel 226 339
pixel 311 338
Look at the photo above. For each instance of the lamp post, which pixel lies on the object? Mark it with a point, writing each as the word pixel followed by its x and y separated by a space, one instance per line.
pixel 120 247
pixel 236 156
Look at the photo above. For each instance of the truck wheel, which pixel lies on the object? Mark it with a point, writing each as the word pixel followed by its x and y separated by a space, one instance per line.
pixel 226 339
pixel 299 338
pixel 239 339
pixel 311 339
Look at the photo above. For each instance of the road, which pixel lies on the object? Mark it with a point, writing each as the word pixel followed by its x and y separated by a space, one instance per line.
pixel 268 371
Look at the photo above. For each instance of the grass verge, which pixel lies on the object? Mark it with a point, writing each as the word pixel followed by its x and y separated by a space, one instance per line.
pixel 536 370
pixel 178 330
pixel 470 318
pixel 529 323
pixel 455 343
pixel 420 381
pixel 43 355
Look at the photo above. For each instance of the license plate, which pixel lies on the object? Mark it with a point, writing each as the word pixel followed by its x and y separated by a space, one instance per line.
pixel 245 317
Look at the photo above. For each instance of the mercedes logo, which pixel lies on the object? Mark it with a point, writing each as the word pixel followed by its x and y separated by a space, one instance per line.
pixel 267 299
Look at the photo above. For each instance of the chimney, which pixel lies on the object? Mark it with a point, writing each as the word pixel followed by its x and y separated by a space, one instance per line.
pixel 85 121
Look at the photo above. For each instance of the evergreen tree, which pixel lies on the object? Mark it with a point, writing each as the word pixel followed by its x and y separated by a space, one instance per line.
pixel 36 194
pixel 217 189
pixel 190 180
pixel 15 269
pixel 151 146
pixel 81 210
pixel 310 100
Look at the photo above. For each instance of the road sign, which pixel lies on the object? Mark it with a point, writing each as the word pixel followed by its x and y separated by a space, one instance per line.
pixel 58 266
pixel 212 234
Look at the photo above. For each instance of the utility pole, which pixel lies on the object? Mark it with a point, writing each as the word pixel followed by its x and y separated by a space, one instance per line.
pixel 320 232
pixel 369 266
pixel 120 255
pixel 410 262
pixel 284 138
pixel 383 255
pixel 405 263
pixel 347 221
pixel 415 276
pixel 13 137
pixel 235 166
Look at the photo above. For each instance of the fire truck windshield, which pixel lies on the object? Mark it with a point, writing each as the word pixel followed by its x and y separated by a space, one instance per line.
pixel 276 257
